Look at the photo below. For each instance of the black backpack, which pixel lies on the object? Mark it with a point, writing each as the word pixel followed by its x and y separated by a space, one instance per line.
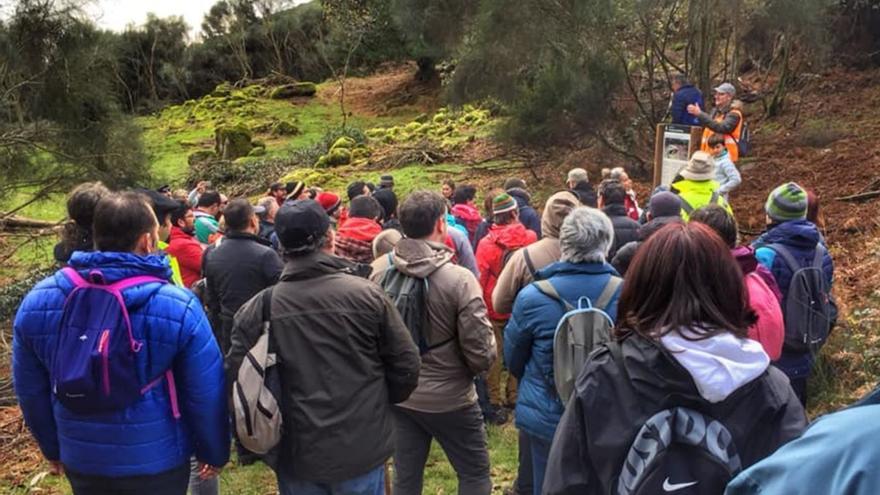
pixel 410 297
pixel 677 450
pixel 809 310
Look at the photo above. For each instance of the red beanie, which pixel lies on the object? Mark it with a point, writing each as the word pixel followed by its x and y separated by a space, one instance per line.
pixel 329 201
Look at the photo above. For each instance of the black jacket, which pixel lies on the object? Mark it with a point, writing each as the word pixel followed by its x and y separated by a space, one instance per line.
pixel 242 265
pixel 627 252
pixel 626 229
pixel 586 193
pixel 528 216
pixel 606 411
pixel 345 357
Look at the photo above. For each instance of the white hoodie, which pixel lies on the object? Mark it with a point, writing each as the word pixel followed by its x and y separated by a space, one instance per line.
pixel 719 365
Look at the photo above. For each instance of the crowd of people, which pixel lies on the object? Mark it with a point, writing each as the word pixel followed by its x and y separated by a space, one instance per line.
pixel 393 324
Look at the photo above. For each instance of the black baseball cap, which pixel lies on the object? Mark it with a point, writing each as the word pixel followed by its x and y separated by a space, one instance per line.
pixel 300 223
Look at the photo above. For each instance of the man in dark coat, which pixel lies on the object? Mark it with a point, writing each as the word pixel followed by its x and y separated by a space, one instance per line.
pixel 528 216
pixel 612 200
pixel 579 183
pixel 345 356
pixel 237 267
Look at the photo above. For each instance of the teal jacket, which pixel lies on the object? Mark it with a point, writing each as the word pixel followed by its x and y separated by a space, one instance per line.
pixel 838 454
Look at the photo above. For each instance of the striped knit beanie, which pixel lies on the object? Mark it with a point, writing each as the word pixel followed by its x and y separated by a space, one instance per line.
pixel 503 203
pixel 787 202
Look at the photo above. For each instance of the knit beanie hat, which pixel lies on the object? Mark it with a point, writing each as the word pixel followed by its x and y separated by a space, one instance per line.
pixel 329 201
pixel 787 202
pixel 294 189
pixel 503 203
pixel 386 181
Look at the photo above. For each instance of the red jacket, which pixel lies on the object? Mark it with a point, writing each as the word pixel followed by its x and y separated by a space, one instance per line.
pixel 354 240
pixel 632 206
pixel 490 257
pixel 468 216
pixel 188 252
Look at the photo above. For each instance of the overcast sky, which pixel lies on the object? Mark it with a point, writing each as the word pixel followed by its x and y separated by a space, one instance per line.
pixel 116 14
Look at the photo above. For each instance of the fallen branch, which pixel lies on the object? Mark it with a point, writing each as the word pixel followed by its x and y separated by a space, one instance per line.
pixel 17 222
pixel 860 197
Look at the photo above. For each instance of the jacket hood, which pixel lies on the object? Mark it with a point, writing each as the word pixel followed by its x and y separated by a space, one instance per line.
pixel 523 198
pixel 719 365
pixel 362 229
pixel 319 264
pixel 557 208
pixel 617 210
pixel 566 268
pixel 119 266
pixel 418 258
pixel 467 213
pixel 656 224
pixel 796 233
pixel 745 257
pixel 511 236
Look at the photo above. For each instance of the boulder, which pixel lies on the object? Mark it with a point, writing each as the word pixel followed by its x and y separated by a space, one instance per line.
pixel 284 128
pixel 201 156
pixel 222 89
pixel 231 142
pixel 293 90
pixel 343 142
pixel 339 156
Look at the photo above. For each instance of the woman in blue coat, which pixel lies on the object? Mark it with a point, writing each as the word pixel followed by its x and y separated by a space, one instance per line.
pixel 585 238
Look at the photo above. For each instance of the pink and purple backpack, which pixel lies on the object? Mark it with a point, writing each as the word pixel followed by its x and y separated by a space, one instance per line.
pixel 94 369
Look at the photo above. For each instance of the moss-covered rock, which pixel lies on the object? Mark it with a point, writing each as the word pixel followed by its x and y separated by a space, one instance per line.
pixel 293 90
pixel 231 142
pixel 284 128
pixel 257 151
pixel 339 156
pixel 201 156
pixel 343 142
pixel 222 89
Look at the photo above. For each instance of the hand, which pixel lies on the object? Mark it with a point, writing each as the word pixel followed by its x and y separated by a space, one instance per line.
pixel 694 109
pixel 56 468
pixel 206 471
pixel 201 186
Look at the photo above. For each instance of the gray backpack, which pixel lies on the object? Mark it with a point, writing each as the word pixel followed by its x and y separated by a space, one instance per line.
pixel 809 311
pixel 580 330
pixel 256 393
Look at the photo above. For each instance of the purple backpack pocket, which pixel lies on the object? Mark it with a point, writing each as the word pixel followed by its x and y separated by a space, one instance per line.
pixel 94 368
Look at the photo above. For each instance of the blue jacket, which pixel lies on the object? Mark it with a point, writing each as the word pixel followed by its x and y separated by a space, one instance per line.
pixel 686 95
pixel 144 438
pixel 801 238
pixel 528 216
pixel 528 339
pixel 837 454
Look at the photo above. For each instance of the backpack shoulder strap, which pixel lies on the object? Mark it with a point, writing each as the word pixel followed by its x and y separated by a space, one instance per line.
pixel 548 290
pixel 267 308
pixel 686 206
pixel 820 256
pixel 529 264
pixel 608 292
pixel 786 256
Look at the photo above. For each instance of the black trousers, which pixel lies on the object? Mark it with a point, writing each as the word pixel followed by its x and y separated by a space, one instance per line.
pixel 173 482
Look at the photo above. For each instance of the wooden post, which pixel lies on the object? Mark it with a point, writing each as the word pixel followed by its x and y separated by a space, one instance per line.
pixel 658 154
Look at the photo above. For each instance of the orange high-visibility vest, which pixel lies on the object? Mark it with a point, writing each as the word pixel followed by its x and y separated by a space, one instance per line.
pixel 730 140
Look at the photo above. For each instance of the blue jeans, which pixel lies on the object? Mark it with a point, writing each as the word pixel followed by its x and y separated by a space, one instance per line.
pixel 372 483
pixel 540 454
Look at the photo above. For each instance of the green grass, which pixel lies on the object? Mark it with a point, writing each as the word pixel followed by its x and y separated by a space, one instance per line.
pixel 257 479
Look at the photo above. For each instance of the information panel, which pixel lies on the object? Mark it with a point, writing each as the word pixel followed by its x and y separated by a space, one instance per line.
pixel 674 146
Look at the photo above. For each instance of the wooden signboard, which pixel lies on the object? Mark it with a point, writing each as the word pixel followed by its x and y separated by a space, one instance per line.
pixel 674 145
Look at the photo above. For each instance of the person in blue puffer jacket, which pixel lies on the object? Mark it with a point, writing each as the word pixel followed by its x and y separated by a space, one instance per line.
pixel 788 225
pixel 585 239
pixel 142 448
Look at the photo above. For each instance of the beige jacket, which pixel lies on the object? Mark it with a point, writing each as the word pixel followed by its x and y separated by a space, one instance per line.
pixel 517 274
pixel 457 311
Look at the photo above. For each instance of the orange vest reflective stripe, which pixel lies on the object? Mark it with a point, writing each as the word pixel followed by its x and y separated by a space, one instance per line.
pixel 730 140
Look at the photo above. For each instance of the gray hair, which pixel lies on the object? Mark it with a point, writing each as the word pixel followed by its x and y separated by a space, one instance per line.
pixel 617 173
pixel 586 236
